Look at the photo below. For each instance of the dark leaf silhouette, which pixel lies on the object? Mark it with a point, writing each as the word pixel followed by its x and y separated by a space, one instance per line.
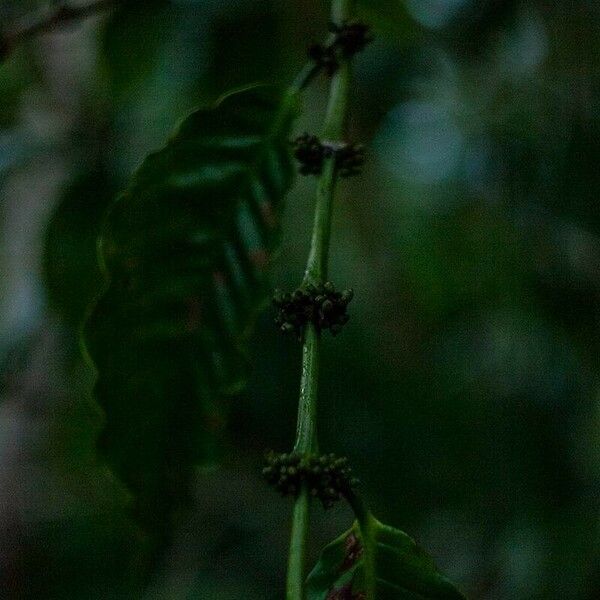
pixel 184 250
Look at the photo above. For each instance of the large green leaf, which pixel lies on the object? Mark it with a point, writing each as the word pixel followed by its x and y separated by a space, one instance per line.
pixel 184 250
pixel 382 563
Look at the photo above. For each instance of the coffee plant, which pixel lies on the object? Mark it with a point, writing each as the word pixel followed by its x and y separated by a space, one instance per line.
pixel 184 252
pixel 160 285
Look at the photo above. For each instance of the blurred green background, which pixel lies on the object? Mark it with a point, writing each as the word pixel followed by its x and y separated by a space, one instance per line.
pixel 466 387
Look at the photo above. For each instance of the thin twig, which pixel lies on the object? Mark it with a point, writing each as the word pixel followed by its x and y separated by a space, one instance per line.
pixel 58 17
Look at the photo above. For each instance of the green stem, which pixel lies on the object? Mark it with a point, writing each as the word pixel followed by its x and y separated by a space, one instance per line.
pixel 306 442
pixel 333 131
pixel 296 560
pixel 306 430
pixel 316 272
pixel 316 267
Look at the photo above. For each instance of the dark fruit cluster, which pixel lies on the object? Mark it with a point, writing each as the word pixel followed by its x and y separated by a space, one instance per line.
pixel 321 305
pixel 349 158
pixel 325 57
pixel 327 477
pixel 311 153
pixel 349 39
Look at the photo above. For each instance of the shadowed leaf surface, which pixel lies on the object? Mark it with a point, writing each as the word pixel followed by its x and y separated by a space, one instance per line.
pixel 184 250
pixel 402 569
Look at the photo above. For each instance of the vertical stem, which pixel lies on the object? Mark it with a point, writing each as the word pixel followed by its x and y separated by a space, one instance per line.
pixel 316 267
pixel 333 131
pixel 316 272
pixel 296 560
pixel 306 430
pixel 306 441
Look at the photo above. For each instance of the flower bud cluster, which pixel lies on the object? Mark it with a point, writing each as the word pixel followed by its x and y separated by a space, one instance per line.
pixel 311 154
pixel 326 477
pixel 348 40
pixel 321 305
pixel 351 38
pixel 349 158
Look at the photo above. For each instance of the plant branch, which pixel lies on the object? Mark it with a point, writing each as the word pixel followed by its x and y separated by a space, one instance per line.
pixel 58 17
pixel 333 132
pixel 306 431
pixel 297 552
pixel 306 441
pixel 316 272
pixel 305 76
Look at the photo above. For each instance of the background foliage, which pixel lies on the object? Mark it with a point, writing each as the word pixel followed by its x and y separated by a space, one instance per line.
pixel 464 389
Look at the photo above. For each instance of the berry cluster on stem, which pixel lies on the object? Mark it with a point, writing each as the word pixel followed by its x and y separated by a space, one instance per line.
pixel 348 40
pixel 327 477
pixel 320 305
pixel 311 153
pixel 316 306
